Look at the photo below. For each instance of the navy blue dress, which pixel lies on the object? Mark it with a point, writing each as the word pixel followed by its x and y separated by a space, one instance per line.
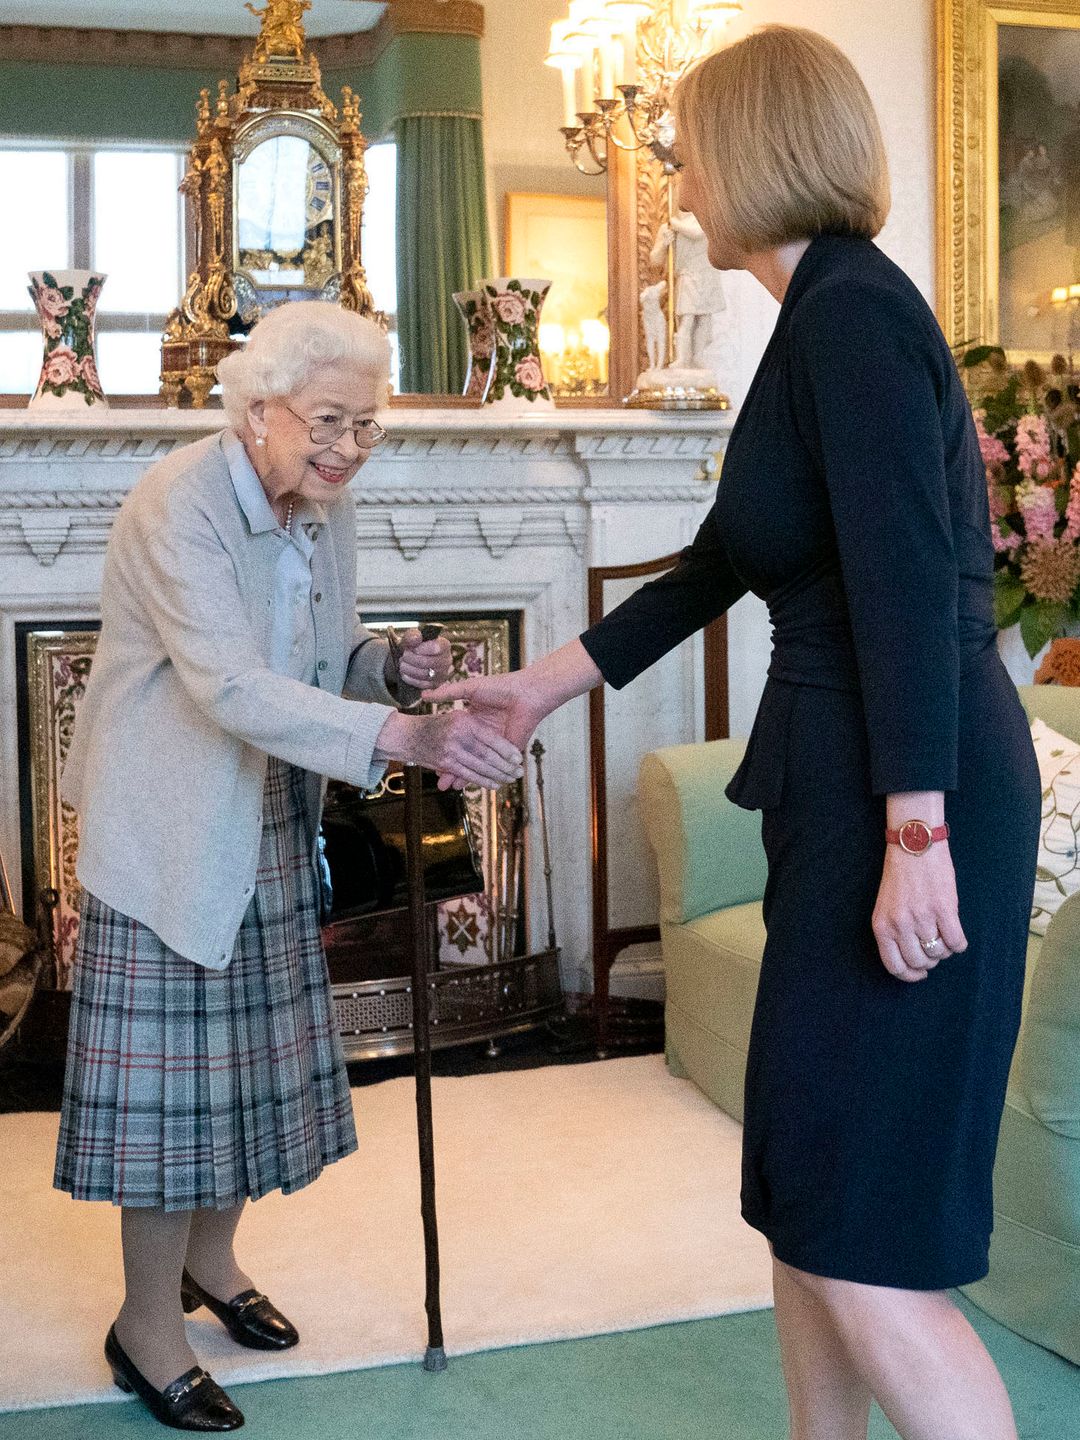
pixel 853 501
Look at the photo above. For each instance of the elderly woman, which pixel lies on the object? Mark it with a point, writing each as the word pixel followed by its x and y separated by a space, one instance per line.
pixel 891 757
pixel 231 676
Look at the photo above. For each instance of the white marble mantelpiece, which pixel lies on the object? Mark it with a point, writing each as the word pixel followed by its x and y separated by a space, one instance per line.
pixel 458 509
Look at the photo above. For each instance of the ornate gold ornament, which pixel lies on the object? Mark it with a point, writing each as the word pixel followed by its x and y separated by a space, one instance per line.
pixel 277 109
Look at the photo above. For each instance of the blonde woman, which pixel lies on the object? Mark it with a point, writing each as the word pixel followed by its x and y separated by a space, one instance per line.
pixel 890 757
pixel 231 676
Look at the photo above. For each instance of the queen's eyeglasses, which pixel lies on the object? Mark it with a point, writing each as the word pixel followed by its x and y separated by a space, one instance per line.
pixel 366 433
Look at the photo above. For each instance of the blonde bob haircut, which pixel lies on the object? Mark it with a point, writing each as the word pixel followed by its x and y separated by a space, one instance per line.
pixel 289 343
pixel 785 140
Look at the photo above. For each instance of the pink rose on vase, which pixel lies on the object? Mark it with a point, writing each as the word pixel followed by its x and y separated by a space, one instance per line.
pixel 89 374
pixel 61 366
pixel 510 308
pixel 52 329
pixel 484 337
pixel 529 374
pixel 52 303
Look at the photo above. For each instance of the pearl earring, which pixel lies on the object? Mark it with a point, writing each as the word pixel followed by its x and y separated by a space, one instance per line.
pixel 260 440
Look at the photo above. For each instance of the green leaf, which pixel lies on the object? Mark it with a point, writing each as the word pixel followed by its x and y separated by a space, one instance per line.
pixel 980 354
pixel 1040 623
pixel 1009 595
pixel 50 280
pixel 1047 876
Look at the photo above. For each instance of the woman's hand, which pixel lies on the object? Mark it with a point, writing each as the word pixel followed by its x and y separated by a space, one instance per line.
pixel 455 744
pixel 916 902
pixel 423 663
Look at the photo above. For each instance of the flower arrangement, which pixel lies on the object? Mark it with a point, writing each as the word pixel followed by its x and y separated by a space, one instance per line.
pixel 67 319
pixel 1028 424
pixel 515 309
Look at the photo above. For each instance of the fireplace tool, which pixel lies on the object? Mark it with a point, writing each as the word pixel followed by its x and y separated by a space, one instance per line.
pixel 435 1358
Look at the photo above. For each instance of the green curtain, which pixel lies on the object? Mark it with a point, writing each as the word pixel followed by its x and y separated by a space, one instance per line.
pixel 442 245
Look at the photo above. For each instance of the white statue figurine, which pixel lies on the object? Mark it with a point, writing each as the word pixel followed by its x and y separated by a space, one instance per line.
pixel 654 323
pixel 699 290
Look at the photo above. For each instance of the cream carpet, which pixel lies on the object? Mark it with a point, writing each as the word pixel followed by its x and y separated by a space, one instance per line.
pixel 573 1200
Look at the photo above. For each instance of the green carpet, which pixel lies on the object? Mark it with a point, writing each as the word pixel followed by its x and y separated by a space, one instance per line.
pixel 714 1379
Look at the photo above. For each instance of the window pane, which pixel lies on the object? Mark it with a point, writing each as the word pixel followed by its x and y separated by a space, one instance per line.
pixel 20 361
pixel 378 239
pixel 35 187
pixel 136 235
pixel 129 363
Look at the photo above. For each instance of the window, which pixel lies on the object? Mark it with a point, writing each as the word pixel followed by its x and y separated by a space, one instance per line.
pixel 101 208
pixel 118 210
pixel 378 241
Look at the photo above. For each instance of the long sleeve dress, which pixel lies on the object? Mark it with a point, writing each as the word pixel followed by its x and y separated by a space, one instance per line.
pixel 853 501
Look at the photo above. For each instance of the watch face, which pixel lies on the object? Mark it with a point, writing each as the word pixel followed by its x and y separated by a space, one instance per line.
pixel 915 837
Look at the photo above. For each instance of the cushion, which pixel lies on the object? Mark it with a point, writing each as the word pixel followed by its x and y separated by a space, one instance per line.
pixel 1058 873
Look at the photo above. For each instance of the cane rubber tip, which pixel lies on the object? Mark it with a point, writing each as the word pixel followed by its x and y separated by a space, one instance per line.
pixel 435 1359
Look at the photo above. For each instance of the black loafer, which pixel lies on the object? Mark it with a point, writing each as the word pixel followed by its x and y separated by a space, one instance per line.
pixel 249 1317
pixel 194 1401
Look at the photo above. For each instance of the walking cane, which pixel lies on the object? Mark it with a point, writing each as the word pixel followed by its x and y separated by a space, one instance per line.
pixel 435 1358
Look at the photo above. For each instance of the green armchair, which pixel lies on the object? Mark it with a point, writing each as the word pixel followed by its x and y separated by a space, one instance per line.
pixel 712 877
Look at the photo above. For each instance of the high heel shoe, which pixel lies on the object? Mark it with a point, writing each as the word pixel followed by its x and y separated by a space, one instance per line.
pixel 249 1317
pixel 194 1401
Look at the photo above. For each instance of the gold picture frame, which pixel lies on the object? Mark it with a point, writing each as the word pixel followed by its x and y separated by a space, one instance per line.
pixel 1005 194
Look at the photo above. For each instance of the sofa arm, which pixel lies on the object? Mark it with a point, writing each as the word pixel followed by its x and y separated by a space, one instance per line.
pixel 708 851
pixel 1048 1065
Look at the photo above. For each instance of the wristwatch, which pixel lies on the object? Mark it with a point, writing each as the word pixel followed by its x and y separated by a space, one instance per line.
pixel 916 837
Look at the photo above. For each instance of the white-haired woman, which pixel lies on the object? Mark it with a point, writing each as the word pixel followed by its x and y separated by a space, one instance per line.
pixel 230 678
pixel 854 502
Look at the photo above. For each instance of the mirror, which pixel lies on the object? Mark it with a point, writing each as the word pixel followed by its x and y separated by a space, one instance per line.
pixel 286 241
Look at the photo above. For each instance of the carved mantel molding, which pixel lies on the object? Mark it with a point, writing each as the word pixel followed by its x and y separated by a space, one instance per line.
pixel 166 49
pixel 447 477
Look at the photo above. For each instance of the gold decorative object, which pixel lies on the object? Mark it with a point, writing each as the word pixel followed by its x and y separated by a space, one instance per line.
pixel 998 188
pixel 274 190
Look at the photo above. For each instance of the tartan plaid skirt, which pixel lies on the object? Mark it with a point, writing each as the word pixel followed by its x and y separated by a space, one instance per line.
pixel 189 1088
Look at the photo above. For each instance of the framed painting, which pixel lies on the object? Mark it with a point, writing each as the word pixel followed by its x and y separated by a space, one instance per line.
pixel 1009 173
pixel 564 238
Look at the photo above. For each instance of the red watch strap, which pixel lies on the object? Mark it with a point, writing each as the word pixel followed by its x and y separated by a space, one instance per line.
pixel 916 837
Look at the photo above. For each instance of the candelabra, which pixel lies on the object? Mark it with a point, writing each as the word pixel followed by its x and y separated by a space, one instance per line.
pixel 621 59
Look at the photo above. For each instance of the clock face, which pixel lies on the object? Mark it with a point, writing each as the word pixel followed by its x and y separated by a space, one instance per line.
pixel 915 837
pixel 320 190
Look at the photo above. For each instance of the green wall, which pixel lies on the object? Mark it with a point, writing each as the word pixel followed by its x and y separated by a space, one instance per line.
pixel 416 74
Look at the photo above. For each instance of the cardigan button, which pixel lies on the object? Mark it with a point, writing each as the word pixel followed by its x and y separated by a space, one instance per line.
pixel 318 596
pixel 322 664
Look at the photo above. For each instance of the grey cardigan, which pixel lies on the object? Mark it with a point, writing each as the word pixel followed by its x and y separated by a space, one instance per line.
pixel 168 760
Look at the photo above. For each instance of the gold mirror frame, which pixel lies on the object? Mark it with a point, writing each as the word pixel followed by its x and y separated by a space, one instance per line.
pixel 968 189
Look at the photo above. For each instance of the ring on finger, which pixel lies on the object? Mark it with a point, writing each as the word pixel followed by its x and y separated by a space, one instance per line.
pixel 932 945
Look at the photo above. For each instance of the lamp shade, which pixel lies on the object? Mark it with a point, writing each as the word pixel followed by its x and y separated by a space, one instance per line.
pixel 563 54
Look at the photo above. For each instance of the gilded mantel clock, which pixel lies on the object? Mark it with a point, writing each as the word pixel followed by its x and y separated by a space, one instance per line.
pixel 274 187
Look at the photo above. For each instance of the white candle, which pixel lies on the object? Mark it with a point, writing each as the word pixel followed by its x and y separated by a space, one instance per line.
pixel 569 91
pixel 588 83
pixel 607 82
pixel 629 66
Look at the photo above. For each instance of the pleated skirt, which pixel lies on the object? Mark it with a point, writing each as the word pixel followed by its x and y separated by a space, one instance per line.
pixel 189 1088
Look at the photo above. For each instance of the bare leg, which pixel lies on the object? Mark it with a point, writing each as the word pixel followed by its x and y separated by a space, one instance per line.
pixel 925 1365
pixel 150 1325
pixel 210 1257
pixel 827 1397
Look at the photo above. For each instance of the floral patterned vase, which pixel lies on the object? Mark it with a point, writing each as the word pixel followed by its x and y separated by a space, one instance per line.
pixel 475 311
pixel 66 302
pixel 517 381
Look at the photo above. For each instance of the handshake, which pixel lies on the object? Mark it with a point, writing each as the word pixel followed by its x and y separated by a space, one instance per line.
pixel 482 744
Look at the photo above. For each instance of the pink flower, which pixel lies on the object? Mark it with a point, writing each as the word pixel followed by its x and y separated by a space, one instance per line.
pixel 88 373
pixel 483 336
pixel 61 366
pixel 528 373
pixel 51 303
pixel 1033 447
pixel 510 308
pixel 1072 510
pixel 1037 505
pixel 994 452
pixel 52 329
